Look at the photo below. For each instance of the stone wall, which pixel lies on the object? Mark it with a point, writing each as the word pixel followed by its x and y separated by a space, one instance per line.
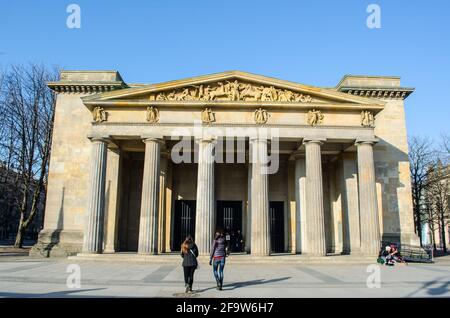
pixel 393 176
pixel 68 178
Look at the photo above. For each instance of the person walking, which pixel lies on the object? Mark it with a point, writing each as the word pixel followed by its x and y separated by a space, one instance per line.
pixel 189 253
pixel 217 257
pixel 239 241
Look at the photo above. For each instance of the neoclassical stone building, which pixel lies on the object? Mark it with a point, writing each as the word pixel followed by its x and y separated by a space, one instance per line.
pixel 295 168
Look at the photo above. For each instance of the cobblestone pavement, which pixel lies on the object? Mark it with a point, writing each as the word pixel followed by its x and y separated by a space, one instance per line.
pixel 27 277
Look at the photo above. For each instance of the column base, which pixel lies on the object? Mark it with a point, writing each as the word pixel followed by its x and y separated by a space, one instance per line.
pixel 313 254
pixel 260 254
pixel 109 250
pixel 148 253
pixel 363 254
pixel 57 243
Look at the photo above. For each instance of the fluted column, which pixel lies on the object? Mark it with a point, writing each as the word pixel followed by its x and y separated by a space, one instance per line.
pixel 315 231
pixel 300 204
pixel 93 235
pixel 162 203
pixel 368 206
pixel 248 229
pixel 205 216
pixel 260 240
pixel 148 224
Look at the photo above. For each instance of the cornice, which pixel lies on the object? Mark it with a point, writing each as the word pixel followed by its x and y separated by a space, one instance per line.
pixel 329 94
pixel 399 93
pixel 83 87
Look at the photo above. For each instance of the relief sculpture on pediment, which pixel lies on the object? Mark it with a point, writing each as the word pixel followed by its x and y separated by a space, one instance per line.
pixel 231 91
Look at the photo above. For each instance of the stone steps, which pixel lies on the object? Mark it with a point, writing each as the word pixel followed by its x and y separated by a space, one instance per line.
pixel 233 259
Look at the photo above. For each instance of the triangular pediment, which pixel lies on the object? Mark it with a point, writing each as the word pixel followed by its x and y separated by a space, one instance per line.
pixel 232 86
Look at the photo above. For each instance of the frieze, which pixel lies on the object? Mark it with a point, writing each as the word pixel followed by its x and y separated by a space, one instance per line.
pixel 231 91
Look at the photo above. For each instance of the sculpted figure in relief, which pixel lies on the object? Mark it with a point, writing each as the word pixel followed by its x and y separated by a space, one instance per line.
pixel 234 88
pixel 231 91
pixel 315 117
pixel 208 116
pixel 99 114
pixel 219 91
pixel 261 116
pixel 367 119
pixel 152 114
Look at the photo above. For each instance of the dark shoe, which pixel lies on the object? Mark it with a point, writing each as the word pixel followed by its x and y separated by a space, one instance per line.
pixel 187 288
pixel 220 287
pixel 190 289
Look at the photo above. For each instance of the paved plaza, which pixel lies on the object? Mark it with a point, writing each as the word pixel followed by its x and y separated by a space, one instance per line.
pixel 28 277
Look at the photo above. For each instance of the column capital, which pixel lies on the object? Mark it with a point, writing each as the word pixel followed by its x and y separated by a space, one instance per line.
pixel 371 141
pixel 206 139
pixel 318 140
pixel 298 155
pixel 259 139
pixel 94 138
pixel 165 153
pixel 146 139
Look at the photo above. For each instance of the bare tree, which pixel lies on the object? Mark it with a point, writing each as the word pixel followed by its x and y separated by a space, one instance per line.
pixel 420 159
pixel 444 148
pixel 438 205
pixel 27 110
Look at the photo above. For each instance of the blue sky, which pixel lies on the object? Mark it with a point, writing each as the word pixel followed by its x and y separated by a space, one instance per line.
pixel 311 42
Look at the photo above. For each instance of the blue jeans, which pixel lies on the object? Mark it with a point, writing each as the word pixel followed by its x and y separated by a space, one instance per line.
pixel 218 266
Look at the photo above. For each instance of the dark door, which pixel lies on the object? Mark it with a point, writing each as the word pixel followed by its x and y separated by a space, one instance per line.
pixel 276 215
pixel 229 219
pixel 184 222
pixel 130 203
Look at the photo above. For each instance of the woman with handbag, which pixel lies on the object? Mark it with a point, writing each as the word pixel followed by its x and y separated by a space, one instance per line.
pixel 219 252
pixel 189 253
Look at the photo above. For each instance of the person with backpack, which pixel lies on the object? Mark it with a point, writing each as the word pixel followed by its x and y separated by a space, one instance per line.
pixel 189 253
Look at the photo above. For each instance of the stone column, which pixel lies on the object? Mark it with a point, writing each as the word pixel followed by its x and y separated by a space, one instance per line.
pixel 260 240
pixel 205 215
pixel 162 203
pixel 350 204
pixel 315 231
pixel 248 230
pixel 93 235
pixel 168 211
pixel 148 224
pixel 112 198
pixel 300 204
pixel 368 206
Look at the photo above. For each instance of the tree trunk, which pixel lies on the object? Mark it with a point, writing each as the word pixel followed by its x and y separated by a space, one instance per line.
pixel 20 235
pixel 418 223
pixel 442 227
pixel 434 239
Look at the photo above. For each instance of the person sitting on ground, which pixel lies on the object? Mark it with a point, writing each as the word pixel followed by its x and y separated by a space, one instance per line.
pixel 396 256
pixel 385 257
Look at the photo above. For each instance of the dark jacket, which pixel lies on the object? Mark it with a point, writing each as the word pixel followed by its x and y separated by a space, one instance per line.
pixel 189 259
pixel 218 248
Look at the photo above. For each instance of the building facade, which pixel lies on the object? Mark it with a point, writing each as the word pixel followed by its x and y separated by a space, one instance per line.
pixel 294 168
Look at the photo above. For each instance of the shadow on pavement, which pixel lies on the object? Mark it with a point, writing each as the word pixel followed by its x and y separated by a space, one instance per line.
pixel 441 290
pixel 58 294
pixel 433 291
pixel 236 285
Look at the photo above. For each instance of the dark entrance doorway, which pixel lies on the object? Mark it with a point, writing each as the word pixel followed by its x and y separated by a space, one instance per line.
pixel 276 218
pixel 184 222
pixel 130 201
pixel 229 218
